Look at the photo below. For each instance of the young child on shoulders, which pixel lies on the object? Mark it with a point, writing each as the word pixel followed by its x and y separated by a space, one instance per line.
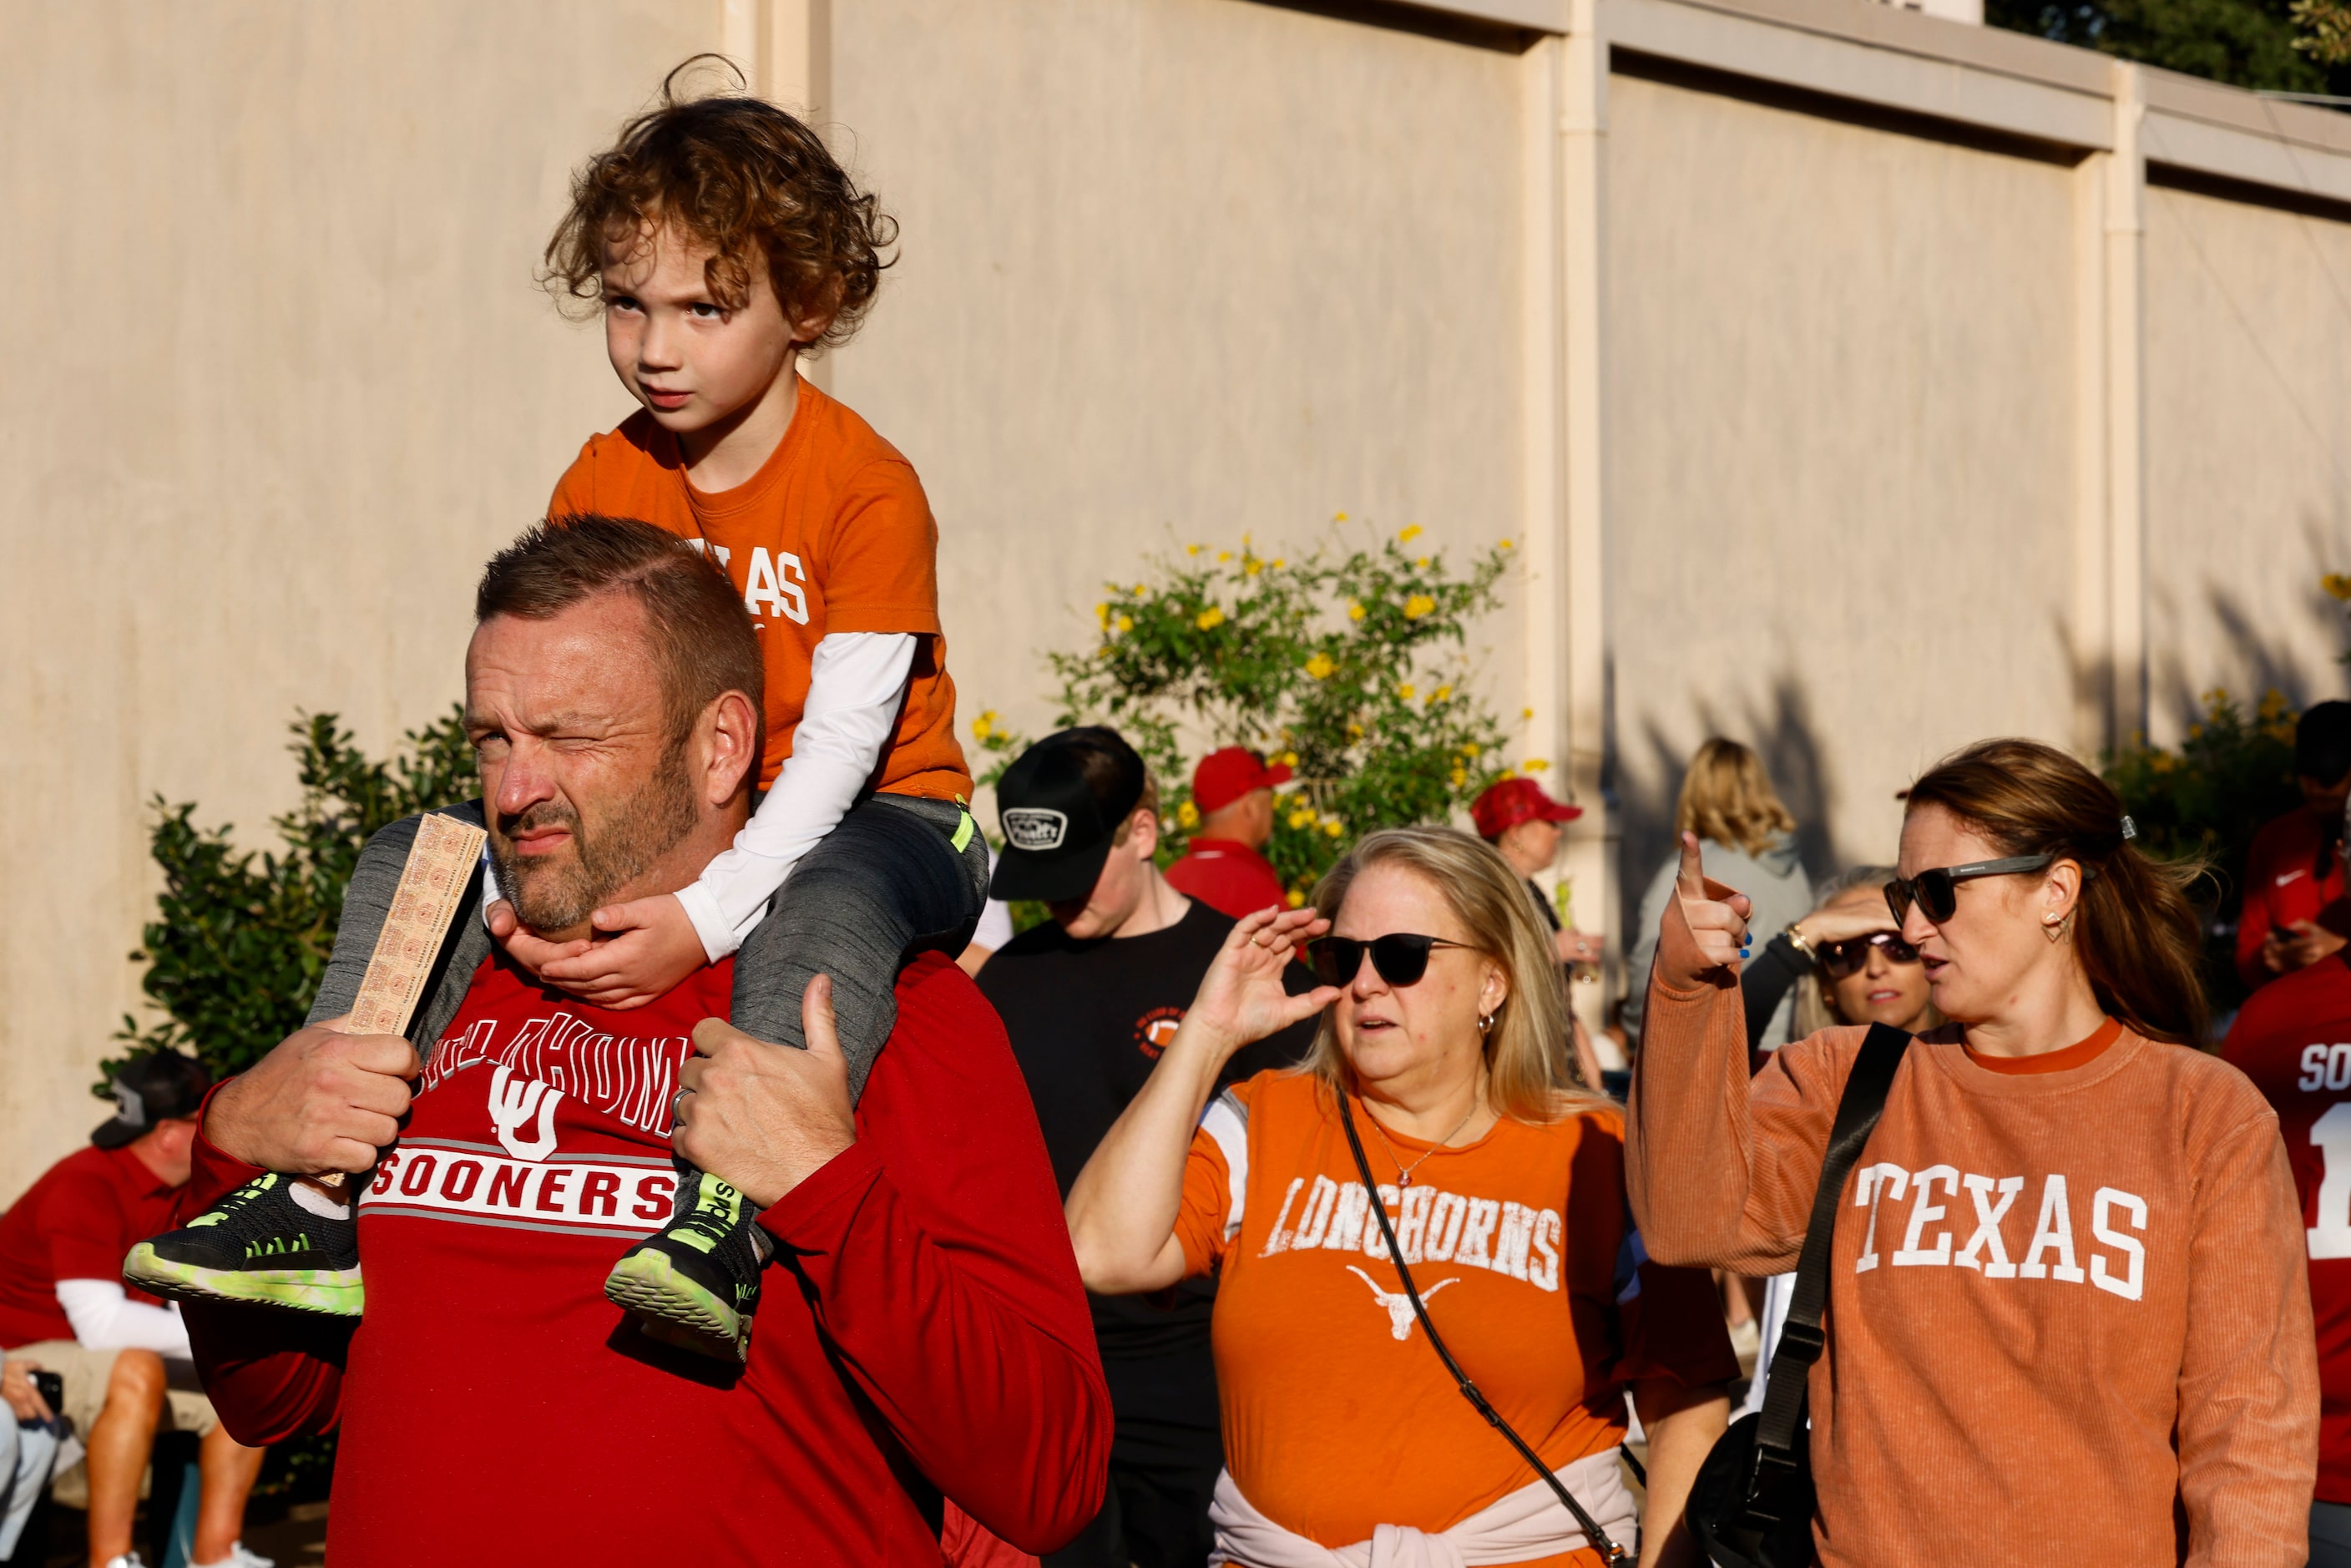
pixel 721 242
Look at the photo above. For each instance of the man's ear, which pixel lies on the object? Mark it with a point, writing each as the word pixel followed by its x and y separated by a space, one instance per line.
pixel 1143 829
pixel 729 734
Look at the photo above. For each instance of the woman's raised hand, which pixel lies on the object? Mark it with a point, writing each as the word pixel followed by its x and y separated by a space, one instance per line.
pixel 1241 999
pixel 1705 931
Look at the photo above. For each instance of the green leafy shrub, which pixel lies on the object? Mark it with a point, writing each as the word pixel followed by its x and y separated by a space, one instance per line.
pixel 241 937
pixel 2232 772
pixel 1349 662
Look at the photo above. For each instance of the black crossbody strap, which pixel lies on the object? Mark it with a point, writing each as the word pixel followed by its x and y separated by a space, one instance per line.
pixel 1801 1339
pixel 1610 1552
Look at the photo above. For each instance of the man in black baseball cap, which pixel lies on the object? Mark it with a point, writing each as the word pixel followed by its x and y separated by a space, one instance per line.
pixel 122 1356
pixel 2292 915
pixel 1090 1000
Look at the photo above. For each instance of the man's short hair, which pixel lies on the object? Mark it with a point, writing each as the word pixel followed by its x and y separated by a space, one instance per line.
pixel 2322 742
pixel 702 636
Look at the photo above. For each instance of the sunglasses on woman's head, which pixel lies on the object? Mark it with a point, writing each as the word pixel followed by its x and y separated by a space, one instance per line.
pixel 1401 958
pixel 1938 892
pixel 1841 959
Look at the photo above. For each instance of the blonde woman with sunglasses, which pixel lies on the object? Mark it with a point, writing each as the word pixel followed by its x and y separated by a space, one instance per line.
pixel 2066 1317
pixel 1443 1048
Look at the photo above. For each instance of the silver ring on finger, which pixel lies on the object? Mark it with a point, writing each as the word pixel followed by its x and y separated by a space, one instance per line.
pixel 677 1106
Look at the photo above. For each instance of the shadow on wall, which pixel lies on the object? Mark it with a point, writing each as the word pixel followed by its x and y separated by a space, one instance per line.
pixel 1782 729
pixel 2262 651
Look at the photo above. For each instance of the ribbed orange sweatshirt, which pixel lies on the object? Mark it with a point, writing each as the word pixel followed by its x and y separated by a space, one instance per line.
pixel 2068 1322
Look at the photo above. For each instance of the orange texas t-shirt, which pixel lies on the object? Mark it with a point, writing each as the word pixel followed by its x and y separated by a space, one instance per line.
pixel 832 534
pixel 1337 1417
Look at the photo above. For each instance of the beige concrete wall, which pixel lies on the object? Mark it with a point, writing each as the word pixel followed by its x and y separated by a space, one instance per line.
pixel 1179 269
pixel 1840 455
pixel 279 382
pixel 2248 451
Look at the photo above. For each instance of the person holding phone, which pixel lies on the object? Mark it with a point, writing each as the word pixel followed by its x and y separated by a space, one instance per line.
pixel 2067 1317
pixel 1442 1041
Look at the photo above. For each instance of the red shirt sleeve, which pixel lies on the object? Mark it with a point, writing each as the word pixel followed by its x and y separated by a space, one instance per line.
pixel 83 1227
pixel 271 1375
pixel 936 1256
pixel 2253 918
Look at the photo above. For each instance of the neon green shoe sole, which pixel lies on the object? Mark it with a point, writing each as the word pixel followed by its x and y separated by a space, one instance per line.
pixel 648 1283
pixel 330 1292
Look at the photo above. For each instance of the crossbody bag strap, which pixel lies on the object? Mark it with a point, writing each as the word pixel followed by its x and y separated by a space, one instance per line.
pixel 1610 1552
pixel 1782 1427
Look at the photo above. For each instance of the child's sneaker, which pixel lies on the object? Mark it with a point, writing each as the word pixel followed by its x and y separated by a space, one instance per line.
pixel 275 1241
pixel 701 1275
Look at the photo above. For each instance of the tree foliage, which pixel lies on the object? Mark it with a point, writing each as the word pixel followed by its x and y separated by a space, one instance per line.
pixel 241 937
pixel 1350 662
pixel 2253 44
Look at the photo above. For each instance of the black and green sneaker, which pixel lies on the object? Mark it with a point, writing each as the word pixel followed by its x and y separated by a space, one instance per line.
pixel 696 1282
pixel 277 1240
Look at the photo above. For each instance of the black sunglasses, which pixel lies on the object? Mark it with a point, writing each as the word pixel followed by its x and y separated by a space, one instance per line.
pixel 1938 892
pixel 1841 959
pixel 1400 957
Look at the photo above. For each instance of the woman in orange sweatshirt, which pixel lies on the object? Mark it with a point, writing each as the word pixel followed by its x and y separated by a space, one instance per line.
pixel 2067 1319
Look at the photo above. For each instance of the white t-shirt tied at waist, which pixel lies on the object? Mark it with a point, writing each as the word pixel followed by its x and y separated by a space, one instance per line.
pixel 1526 1526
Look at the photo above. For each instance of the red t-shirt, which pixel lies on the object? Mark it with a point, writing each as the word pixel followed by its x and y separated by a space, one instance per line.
pixel 924 1318
pixel 1228 876
pixel 2293 1041
pixel 76 1223
pixel 2291 871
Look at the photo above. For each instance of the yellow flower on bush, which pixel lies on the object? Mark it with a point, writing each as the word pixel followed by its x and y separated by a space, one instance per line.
pixel 1297 900
pixel 1506 544
pixel 1223 556
pixel 1422 562
pixel 1418 605
pixel 1208 620
pixel 1142 591
pixel 2274 703
pixel 1335 828
pixel 2337 584
pixel 1354 611
pixel 1192 550
pixel 1126 623
pixel 1537 765
pixel 1319 667
pixel 1102 615
pixel 1252 565
pixel 1439 694
pixel 1526 712
pixel 1407 691
pixel 1189 814
pixel 1287 760
pixel 1354 732
pixel 1302 818
pixel 984 725
pixel 1459 778
pixel 1279 564
pixel 1469 749
pixel 2162 762
pixel 1338 516
pixel 1409 534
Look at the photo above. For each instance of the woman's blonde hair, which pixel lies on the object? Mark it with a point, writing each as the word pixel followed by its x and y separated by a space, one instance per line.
pixel 1727 797
pixel 1532 1070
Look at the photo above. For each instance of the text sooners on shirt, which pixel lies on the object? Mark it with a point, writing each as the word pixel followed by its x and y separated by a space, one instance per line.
pixel 2293 1041
pixel 1338 1415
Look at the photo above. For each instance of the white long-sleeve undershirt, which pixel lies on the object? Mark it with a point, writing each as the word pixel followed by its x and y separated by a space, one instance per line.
pixel 104 1317
pixel 857 686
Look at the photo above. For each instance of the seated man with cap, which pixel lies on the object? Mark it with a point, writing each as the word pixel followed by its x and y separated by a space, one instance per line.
pixel 2293 876
pixel 1090 1000
pixel 1225 866
pixel 124 1358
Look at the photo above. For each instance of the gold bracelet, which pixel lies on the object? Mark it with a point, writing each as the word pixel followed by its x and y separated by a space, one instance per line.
pixel 1796 940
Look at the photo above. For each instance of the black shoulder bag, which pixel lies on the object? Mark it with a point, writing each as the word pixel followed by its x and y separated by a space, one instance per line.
pixel 1610 1552
pixel 1751 1505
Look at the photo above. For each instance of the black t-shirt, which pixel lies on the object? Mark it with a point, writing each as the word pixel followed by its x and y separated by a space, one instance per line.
pixel 1087 1021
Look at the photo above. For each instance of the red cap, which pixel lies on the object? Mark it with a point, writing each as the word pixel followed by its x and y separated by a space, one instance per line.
pixel 1224 777
pixel 1514 800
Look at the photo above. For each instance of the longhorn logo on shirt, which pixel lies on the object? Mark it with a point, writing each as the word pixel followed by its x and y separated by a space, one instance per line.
pixel 513 1103
pixel 1398 1304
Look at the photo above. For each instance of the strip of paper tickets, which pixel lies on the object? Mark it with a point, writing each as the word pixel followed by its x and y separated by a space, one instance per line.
pixel 432 884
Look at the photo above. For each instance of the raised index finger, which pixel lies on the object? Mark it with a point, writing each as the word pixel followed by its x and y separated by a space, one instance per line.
pixel 1692 881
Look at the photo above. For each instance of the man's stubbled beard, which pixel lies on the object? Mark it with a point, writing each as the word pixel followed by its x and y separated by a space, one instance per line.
pixel 555 894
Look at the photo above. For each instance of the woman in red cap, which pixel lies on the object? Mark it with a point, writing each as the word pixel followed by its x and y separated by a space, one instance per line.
pixel 1521 823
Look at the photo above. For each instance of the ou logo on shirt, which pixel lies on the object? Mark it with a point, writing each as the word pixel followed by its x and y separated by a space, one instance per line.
pixel 515 1104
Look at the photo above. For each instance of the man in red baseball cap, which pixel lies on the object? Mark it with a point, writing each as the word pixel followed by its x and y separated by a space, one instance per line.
pixel 1222 867
pixel 1518 818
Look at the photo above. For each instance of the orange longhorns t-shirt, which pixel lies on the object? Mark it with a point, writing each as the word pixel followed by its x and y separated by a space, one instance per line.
pixel 832 534
pixel 1337 1417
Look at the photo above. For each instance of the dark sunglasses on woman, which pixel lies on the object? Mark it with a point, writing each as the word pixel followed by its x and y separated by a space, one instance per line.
pixel 1840 959
pixel 1938 892
pixel 1400 957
